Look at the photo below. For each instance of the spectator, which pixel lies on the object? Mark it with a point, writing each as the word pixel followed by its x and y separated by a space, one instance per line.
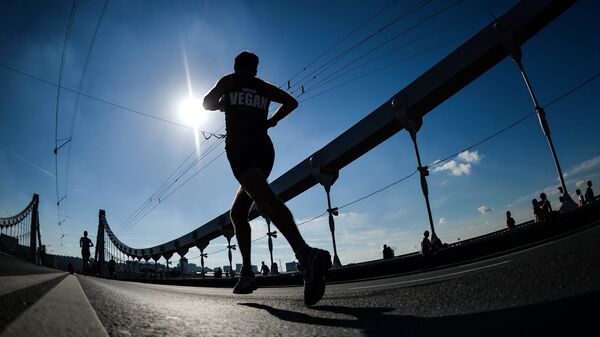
pixel 589 193
pixel 566 202
pixel 111 268
pixel 545 206
pixel 388 252
pixel 580 199
pixel 264 269
pixel 426 244
pixel 436 243
pixel 510 222
pixel 537 211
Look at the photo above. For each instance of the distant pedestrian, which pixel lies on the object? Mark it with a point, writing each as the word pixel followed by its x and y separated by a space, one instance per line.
pixel 537 211
pixel 426 244
pixel 589 193
pixel 566 202
pixel 545 206
pixel 274 268
pixel 111 268
pixel 85 243
pixel 388 252
pixel 510 221
pixel 436 243
pixel 580 199
pixel 264 269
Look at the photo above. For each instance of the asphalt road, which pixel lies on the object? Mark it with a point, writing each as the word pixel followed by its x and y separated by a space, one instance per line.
pixel 552 288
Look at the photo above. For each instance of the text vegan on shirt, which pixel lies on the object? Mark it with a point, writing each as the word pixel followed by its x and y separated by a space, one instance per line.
pixel 248 97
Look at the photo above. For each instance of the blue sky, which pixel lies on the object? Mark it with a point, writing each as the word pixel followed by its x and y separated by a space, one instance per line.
pixel 117 158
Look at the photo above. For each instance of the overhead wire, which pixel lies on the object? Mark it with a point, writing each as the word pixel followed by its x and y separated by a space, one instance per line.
pixel 79 88
pixel 176 189
pixel 101 100
pixel 362 41
pixel 170 181
pixel 518 121
pixel 330 77
pixel 386 42
pixel 371 72
pixel 341 40
pixel 474 145
pixel 58 91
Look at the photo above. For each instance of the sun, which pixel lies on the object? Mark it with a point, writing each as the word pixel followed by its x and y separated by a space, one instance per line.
pixel 192 112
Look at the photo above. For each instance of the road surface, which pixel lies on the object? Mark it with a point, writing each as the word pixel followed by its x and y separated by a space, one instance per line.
pixel 550 288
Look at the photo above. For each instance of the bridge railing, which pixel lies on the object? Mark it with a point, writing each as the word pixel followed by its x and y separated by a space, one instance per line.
pixel 20 234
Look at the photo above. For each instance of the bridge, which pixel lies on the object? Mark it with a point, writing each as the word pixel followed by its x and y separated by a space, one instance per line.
pixel 494 280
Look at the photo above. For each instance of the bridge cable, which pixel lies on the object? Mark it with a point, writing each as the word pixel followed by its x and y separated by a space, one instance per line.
pixel 340 41
pixel 329 78
pixel 79 87
pixel 438 162
pixel 60 75
pixel 356 45
pixel 396 36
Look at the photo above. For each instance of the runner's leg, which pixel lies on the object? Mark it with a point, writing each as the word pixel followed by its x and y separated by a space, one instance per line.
pixel 239 217
pixel 255 184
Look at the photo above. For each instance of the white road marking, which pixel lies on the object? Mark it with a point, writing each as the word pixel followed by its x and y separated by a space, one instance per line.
pixel 431 278
pixel 9 284
pixel 62 311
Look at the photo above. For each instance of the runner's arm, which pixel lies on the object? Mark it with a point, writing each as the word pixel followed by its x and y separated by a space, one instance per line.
pixel 288 104
pixel 212 100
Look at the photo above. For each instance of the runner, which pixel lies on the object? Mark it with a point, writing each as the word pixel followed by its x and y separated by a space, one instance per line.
pixel 245 99
pixel 85 243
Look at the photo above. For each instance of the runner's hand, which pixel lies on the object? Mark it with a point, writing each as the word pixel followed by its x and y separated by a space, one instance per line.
pixel 271 123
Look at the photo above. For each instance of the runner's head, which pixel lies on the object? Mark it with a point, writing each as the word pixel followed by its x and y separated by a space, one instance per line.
pixel 246 62
pixel 84 233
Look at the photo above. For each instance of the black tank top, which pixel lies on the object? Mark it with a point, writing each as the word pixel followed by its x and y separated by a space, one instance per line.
pixel 246 109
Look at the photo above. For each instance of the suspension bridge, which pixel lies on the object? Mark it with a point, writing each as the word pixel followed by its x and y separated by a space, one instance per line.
pixel 488 285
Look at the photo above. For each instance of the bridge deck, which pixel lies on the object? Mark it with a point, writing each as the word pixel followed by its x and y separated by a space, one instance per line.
pixel 546 288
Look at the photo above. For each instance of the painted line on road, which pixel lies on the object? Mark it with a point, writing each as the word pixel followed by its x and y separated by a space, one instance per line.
pixel 9 284
pixel 431 278
pixel 63 311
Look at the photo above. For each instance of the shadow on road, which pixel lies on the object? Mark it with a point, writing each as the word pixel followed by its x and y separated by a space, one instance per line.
pixel 571 317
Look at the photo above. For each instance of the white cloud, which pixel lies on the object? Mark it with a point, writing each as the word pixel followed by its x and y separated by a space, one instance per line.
pixel 460 166
pixel 442 221
pixel 485 209
pixel 584 166
pixel 469 157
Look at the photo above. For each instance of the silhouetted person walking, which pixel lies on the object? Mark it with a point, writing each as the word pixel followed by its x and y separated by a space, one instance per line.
pixel 245 100
pixel 566 203
pixel 85 243
pixel 426 248
pixel 264 269
pixel 510 221
pixel 111 267
pixel 388 252
pixel 589 193
pixel 545 206
pixel 537 211
pixel 580 199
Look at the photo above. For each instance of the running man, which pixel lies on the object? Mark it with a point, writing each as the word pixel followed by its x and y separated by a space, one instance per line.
pixel 245 99
pixel 85 243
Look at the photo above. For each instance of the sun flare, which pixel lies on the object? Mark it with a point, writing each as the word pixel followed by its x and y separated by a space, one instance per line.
pixel 192 112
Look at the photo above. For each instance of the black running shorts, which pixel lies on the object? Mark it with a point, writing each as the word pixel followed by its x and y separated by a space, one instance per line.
pixel 247 154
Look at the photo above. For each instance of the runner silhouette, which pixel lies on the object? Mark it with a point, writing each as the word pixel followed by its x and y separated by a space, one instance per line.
pixel 245 99
pixel 85 243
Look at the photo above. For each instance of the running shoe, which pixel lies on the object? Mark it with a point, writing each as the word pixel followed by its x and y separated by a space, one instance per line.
pixel 314 268
pixel 246 284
